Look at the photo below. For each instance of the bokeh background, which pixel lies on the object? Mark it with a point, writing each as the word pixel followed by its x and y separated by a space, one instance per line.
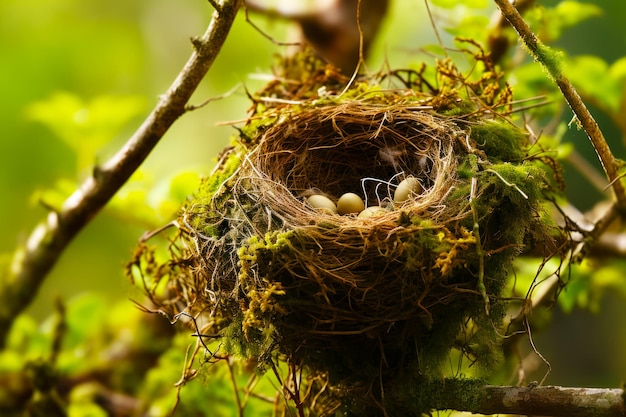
pixel 67 66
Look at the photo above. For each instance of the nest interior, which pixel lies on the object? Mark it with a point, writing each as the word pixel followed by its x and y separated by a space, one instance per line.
pixel 365 302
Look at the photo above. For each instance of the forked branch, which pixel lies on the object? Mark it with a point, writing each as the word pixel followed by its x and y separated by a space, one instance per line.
pixel 32 262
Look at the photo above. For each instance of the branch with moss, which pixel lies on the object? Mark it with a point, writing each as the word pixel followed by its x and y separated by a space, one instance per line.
pixel 32 262
pixel 551 401
pixel 554 401
pixel 551 62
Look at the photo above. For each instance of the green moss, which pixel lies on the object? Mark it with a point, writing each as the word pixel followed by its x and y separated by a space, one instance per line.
pixel 362 90
pixel 420 395
pixel 234 340
pixel 421 222
pixel 466 168
pixel 458 107
pixel 484 345
pixel 274 242
pixel 212 184
pixel 456 393
pixel 258 278
pixel 551 60
pixel 520 182
pixel 460 194
pixel 510 195
pixel 198 208
pixel 501 141
pixel 256 344
pixel 423 248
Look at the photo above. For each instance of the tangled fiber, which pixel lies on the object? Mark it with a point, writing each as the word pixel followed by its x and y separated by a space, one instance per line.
pixel 362 306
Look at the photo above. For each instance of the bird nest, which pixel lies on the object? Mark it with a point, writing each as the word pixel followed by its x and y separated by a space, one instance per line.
pixel 358 300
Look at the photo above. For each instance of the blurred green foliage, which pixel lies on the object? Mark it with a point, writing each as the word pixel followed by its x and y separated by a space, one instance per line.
pixel 85 127
pixel 106 346
pixel 549 23
pixel 79 77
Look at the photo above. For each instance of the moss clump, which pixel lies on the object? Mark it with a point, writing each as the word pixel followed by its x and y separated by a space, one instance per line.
pixel 500 140
pixel 358 302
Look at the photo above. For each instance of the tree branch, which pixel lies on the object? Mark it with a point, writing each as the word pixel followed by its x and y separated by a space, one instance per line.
pixel 473 396
pixel 551 401
pixel 551 63
pixel 32 262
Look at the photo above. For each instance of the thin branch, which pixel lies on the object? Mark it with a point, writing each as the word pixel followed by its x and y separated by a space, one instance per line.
pixel 233 381
pixel 434 26
pixel 32 262
pixel 551 63
pixel 587 170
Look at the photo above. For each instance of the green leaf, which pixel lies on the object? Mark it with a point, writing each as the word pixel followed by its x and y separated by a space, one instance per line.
pixel 85 126
pixel 617 71
pixel 575 292
pixel 472 27
pixel 530 81
pixel 476 4
pixel 24 342
pixel 182 185
pixel 550 23
pixel 434 49
pixel 589 282
pixel 144 201
pixel 85 410
pixel 591 75
pixel 449 4
pixel 85 317
pixel 446 4
pixel 571 13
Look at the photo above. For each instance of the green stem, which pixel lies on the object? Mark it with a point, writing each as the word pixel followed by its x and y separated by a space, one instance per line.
pixel 479 249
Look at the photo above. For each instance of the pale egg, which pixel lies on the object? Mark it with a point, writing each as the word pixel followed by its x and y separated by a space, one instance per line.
pixel 350 203
pixel 372 211
pixel 406 188
pixel 322 203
